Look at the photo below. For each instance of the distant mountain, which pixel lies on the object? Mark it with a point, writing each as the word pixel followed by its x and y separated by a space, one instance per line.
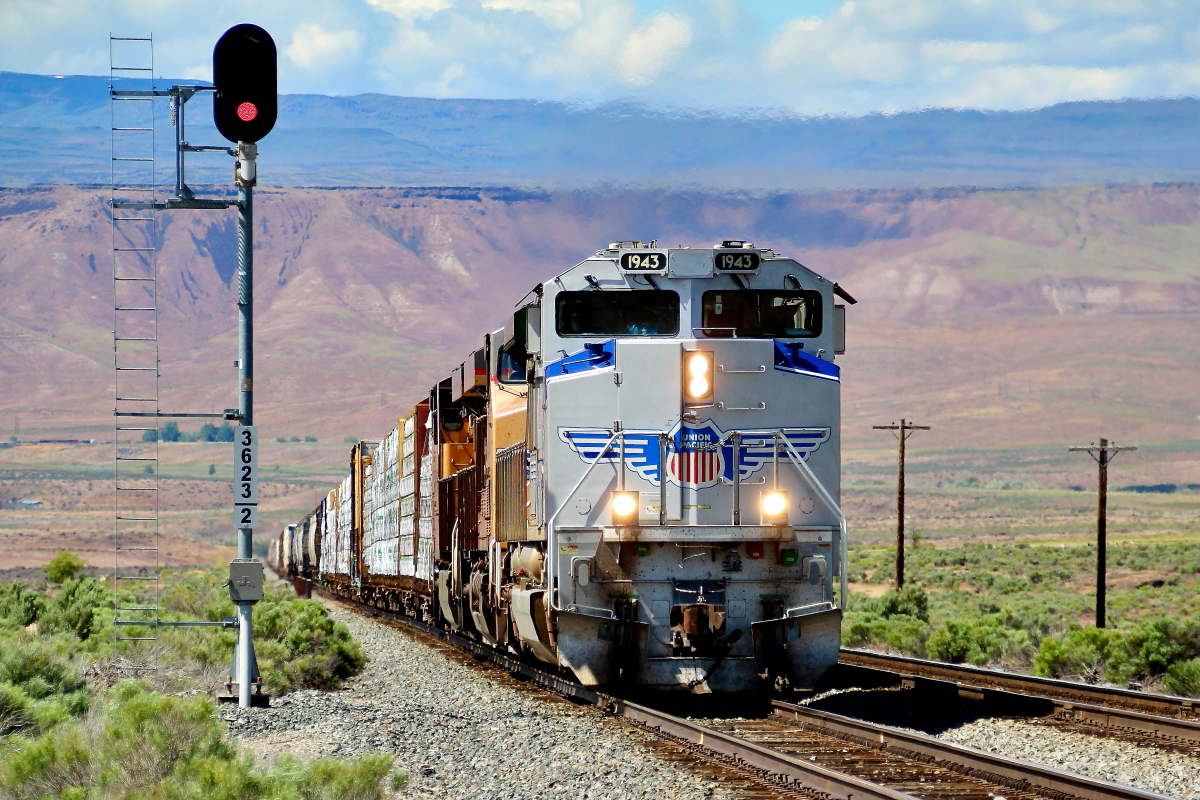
pixel 1007 318
pixel 55 130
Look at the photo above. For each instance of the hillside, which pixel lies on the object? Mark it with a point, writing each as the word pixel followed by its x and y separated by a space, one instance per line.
pixel 1014 321
pixel 55 130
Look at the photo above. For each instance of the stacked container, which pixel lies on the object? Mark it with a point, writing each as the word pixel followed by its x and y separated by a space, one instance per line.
pixel 381 504
pixel 408 497
pixel 427 486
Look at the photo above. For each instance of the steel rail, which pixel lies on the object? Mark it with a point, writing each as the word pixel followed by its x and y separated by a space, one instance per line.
pixel 1159 715
pixel 1012 772
pixel 784 767
pixel 792 769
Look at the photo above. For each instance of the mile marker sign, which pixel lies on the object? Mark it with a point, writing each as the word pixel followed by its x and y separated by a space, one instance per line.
pixel 245 483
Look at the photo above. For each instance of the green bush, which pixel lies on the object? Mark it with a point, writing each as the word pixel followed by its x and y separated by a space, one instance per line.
pixel 911 601
pixel 1083 651
pixel 74 609
pixel 977 641
pixel 1183 678
pixel 898 632
pixel 19 606
pixel 64 566
pixel 1151 648
pixel 40 686
pixel 147 746
pixel 16 711
pixel 301 647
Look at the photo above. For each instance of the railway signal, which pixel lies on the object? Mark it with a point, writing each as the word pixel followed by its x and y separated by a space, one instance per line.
pixel 1102 454
pixel 901 432
pixel 245 77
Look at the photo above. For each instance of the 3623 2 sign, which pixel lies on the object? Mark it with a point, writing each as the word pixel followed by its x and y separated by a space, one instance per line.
pixel 245 481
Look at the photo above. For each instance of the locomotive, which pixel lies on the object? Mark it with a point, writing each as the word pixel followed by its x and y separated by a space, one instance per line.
pixel 635 480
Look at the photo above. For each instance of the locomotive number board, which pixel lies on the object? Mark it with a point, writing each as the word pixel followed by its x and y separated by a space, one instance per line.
pixel 737 261
pixel 644 262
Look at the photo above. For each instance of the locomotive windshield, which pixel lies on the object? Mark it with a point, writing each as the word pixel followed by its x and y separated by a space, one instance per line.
pixel 762 313
pixel 512 370
pixel 621 313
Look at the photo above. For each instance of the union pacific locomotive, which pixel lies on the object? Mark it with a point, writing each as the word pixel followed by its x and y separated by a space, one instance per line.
pixel 637 479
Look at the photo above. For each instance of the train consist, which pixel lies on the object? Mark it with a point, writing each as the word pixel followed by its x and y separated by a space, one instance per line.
pixel 637 479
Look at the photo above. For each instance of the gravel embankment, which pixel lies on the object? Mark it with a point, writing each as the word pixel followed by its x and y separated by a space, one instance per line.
pixel 459 731
pixel 1146 768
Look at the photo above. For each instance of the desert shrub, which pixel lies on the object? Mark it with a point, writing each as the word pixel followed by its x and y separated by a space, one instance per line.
pixel 977 641
pixel 65 566
pixel 18 606
pixel 1151 648
pixel 899 632
pixel 40 686
pixel 1083 651
pixel 1183 678
pixel 911 601
pixel 74 609
pixel 38 667
pixel 15 709
pixel 301 647
pixel 149 746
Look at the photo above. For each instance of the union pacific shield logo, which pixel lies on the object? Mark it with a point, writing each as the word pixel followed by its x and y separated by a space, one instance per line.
pixel 695 457
pixel 699 454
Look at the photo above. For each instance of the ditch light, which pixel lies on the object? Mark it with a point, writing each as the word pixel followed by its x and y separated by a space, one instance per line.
pixel 774 506
pixel 625 508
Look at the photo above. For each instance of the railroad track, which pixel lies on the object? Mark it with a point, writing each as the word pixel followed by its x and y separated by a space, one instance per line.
pixel 1162 720
pixel 797 752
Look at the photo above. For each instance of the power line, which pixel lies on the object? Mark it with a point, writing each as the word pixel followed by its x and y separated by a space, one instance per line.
pixel 901 432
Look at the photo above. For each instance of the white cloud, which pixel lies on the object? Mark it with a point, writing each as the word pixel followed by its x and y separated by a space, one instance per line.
pixel 863 55
pixel 970 52
pixel 409 10
pixel 314 47
pixel 559 14
pixel 1038 85
pixel 649 51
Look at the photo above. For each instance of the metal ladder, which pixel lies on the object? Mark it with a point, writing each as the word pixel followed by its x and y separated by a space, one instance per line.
pixel 136 559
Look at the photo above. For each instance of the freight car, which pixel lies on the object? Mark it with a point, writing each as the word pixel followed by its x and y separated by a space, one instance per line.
pixel 637 479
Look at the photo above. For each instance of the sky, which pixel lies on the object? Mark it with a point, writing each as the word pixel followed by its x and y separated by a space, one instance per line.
pixel 802 56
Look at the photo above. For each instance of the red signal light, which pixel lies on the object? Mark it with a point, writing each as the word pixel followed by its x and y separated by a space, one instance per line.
pixel 247 112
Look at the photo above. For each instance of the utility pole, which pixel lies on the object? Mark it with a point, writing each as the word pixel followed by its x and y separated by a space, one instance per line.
pixel 1102 454
pixel 901 432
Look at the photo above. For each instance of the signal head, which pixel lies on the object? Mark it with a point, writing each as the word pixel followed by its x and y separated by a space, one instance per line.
pixel 245 75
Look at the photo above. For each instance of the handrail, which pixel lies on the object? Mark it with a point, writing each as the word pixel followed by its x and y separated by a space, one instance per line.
pixel 843 550
pixel 551 541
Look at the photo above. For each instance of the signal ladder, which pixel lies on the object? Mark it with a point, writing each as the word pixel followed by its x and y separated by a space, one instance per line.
pixel 136 563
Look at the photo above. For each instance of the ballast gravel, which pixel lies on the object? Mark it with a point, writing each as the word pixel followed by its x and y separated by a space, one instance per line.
pixel 458 732
pixel 1146 768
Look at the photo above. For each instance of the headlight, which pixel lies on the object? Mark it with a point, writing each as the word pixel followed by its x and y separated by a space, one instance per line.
pixel 698 378
pixel 774 507
pixel 625 507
